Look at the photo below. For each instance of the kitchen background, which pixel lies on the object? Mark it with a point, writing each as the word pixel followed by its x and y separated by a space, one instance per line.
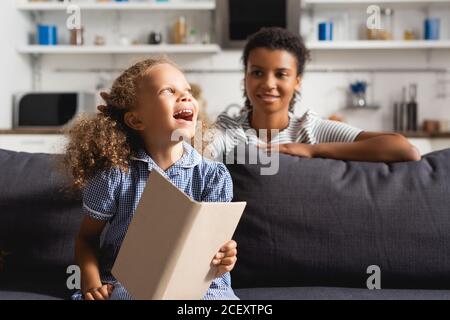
pixel 117 33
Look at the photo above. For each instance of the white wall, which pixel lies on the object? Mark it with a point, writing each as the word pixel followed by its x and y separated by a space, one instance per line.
pixel 15 71
pixel 324 92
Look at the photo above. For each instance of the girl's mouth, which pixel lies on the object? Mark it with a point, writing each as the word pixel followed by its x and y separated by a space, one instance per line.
pixel 184 115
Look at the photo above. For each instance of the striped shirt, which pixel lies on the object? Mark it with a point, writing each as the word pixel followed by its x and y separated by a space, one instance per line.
pixel 113 196
pixel 309 128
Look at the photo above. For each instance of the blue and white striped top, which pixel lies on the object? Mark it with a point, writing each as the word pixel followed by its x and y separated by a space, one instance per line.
pixel 309 128
pixel 113 196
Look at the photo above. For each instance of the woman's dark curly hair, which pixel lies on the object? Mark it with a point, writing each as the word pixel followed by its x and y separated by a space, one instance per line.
pixel 103 141
pixel 275 38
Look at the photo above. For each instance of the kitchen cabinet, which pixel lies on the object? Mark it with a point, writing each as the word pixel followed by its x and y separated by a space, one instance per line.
pixel 34 143
pixel 427 145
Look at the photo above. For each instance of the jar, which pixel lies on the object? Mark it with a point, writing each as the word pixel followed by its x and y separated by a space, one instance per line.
pixel 387 24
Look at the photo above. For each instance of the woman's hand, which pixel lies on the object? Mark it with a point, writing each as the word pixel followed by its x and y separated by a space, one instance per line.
pixel 226 258
pixel 295 149
pixel 100 293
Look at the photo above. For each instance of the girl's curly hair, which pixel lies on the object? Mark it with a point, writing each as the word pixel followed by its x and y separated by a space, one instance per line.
pixel 275 38
pixel 102 141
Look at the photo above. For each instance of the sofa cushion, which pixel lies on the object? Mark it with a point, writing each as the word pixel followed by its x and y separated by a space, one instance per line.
pixel 43 284
pixel 39 218
pixel 322 222
pixel 327 293
pixel 17 295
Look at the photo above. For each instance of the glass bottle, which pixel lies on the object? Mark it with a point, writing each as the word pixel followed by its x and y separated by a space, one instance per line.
pixel 387 24
pixel 180 31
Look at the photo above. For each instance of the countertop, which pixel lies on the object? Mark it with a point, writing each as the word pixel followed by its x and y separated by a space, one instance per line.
pixel 31 131
pixel 418 134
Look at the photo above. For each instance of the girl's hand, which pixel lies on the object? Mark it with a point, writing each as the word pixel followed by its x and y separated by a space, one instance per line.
pixel 226 258
pixel 101 293
pixel 295 149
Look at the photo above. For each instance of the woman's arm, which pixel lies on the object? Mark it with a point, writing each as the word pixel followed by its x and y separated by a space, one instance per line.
pixel 368 146
pixel 86 254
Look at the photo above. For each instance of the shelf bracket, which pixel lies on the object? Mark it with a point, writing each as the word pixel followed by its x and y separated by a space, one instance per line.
pixel 36 71
pixel 36 16
pixel 310 13
pixel 428 56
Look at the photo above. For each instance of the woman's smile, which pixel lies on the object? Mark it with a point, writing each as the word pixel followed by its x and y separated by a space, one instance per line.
pixel 268 98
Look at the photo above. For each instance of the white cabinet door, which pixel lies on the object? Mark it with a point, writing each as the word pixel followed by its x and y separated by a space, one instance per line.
pixel 45 143
pixel 427 145
pixel 422 144
pixel 440 144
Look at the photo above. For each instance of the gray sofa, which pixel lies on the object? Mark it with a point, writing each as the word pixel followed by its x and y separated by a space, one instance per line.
pixel 309 232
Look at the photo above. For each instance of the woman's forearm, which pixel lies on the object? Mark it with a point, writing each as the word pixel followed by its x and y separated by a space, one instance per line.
pixel 383 148
pixel 86 257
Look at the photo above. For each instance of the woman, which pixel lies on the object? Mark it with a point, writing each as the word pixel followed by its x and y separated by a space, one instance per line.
pixel 274 61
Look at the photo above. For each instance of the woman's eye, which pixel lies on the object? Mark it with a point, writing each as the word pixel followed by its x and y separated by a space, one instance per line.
pixel 257 73
pixel 283 75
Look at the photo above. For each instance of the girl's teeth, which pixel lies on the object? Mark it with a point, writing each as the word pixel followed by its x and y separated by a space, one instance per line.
pixel 183 111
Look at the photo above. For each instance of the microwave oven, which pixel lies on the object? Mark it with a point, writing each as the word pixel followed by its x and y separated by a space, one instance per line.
pixel 236 20
pixel 50 109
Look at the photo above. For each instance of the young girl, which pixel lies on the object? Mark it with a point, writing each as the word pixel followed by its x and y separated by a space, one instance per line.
pixel 111 155
pixel 274 61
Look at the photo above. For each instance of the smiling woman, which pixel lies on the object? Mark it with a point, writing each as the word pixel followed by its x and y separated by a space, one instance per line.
pixel 274 61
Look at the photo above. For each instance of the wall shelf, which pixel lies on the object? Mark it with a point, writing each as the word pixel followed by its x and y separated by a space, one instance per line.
pixel 378 44
pixel 117 6
pixel 368 107
pixel 214 48
pixel 134 49
pixel 422 134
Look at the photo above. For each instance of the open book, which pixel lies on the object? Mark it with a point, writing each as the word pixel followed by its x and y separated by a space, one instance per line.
pixel 171 241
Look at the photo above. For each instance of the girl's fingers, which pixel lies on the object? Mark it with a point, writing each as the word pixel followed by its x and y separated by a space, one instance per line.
pixel 229 245
pixel 231 253
pixel 97 295
pixel 88 296
pixel 104 292
pixel 227 250
pixel 228 261
pixel 226 266
pixel 224 269
pixel 225 261
pixel 220 255
pixel 110 288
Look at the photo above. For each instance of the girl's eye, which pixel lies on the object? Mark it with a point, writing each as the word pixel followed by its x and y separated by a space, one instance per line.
pixel 283 75
pixel 167 91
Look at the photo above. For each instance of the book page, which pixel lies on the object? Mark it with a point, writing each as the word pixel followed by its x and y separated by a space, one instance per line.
pixel 213 226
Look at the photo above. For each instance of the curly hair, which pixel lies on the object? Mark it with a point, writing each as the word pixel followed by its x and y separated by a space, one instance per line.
pixel 275 38
pixel 102 141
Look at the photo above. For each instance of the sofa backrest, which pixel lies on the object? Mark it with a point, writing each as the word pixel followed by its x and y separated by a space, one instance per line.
pixel 317 222
pixel 321 222
pixel 39 218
